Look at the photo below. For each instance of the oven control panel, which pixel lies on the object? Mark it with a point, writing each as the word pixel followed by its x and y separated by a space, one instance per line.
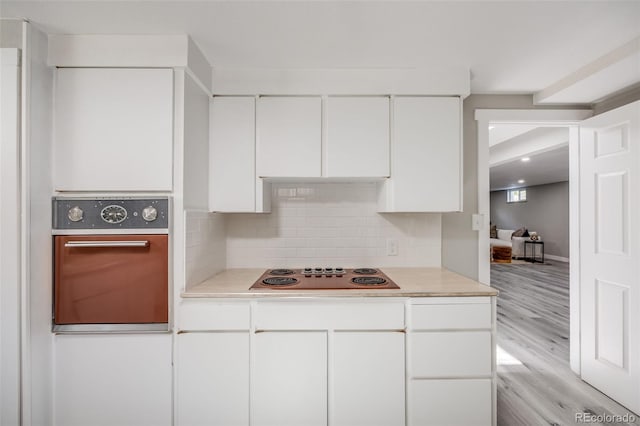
pixel 110 213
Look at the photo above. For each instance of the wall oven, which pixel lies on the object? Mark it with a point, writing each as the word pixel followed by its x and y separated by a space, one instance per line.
pixel 111 264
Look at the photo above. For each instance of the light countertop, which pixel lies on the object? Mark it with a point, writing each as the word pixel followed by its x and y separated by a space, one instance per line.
pixel 413 282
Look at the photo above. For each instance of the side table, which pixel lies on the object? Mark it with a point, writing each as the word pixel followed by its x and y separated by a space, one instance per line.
pixel 533 257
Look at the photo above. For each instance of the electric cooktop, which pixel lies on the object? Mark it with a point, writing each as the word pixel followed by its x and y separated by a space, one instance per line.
pixel 323 279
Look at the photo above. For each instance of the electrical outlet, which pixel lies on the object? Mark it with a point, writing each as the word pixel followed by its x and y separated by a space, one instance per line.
pixel 392 247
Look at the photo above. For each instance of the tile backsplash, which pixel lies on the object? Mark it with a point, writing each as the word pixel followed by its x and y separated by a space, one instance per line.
pixel 205 246
pixel 330 224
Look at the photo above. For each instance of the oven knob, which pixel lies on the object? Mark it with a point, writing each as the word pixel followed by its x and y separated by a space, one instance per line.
pixel 149 214
pixel 75 214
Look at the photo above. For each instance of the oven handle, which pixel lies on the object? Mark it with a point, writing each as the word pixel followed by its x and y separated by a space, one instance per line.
pixel 79 244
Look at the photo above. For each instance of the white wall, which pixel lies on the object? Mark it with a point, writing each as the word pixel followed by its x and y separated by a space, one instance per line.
pixel 196 145
pixel 38 188
pixel 330 224
pixel 459 241
pixel 10 238
pixel 545 212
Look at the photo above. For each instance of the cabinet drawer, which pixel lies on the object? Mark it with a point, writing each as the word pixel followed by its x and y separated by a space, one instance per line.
pixel 450 354
pixel 335 315
pixel 450 402
pixel 200 315
pixel 451 316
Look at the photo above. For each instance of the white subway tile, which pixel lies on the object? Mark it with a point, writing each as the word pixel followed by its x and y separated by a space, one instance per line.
pixel 328 224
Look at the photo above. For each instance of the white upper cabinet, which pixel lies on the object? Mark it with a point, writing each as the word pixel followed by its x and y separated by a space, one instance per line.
pixel 113 129
pixel 233 184
pixel 288 136
pixel 426 156
pixel 357 142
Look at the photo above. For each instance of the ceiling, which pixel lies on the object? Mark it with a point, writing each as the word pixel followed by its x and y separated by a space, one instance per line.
pixel 547 149
pixel 511 46
pixel 546 167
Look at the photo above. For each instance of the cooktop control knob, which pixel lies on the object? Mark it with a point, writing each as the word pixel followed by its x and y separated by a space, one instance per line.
pixel 149 214
pixel 75 214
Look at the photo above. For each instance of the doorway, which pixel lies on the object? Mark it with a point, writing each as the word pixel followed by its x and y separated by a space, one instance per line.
pixel 537 118
pixel 598 130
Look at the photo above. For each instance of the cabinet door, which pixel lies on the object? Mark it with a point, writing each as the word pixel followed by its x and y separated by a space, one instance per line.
pixel 368 367
pixel 357 143
pixel 450 402
pixel 113 129
pixel 288 136
pixel 212 385
pixel 451 354
pixel 232 155
pixel 289 379
pixel 426 174
pixel 106 380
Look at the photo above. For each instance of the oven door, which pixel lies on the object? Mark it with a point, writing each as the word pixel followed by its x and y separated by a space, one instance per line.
pixel 111 282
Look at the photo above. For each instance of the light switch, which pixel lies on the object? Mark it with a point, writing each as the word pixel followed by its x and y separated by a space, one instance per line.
pixel 477 222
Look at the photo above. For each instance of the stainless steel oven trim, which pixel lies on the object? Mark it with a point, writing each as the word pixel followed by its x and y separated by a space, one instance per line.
pixel 109 328
pixel 110 231
pixel 107 244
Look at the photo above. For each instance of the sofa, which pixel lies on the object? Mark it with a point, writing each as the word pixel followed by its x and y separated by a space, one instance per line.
pixel 506 240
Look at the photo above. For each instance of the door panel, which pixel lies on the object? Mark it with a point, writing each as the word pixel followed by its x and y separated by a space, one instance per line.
pixel 610 253
pixel 288 136
pixel 357 137
pixel 290 379
pixel 213 379
pixel 111 284
pixel 612 225
pixel 359 377
pixel 113 129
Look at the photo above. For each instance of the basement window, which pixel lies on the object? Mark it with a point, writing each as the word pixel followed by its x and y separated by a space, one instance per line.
pixel 517 195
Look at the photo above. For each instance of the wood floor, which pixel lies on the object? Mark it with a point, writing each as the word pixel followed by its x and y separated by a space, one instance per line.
pixel 535 384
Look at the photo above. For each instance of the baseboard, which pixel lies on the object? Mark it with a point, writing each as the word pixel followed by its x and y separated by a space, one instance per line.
pixel 558 258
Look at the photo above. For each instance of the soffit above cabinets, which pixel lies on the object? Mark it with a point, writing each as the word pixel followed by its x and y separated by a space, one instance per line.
pixel 509 46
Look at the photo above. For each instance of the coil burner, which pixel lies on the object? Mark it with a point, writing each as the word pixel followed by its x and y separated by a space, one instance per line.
pixel 281 272
pixel 280 281
pixel 368 281
pixel 365 271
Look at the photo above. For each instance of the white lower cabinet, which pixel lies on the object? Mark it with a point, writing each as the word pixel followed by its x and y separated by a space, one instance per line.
pixel 451 354
pixel 212 363
pixel 212 385
pixel 338 362
pixel 368 378
pixel 289 379
pixel 465 402
pixel 106 380
pixel 451 367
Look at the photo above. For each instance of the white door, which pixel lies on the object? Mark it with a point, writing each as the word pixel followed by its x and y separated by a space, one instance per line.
pixel 288 136
pixel 232 154
pixel 213 379
pixel 289 379
pixel 368 366
pixel 610 253
pixel 357 142
pixel 112 379
pixel 426 156
pixel 113 129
